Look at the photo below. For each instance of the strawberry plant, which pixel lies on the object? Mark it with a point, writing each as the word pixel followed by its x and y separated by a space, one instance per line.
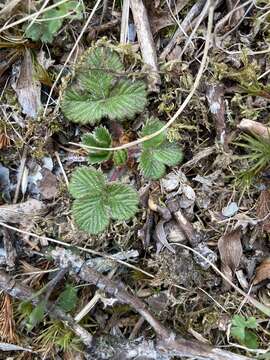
pixel 156 153
pixel 97 201
pixel 241 330
pixel 100 89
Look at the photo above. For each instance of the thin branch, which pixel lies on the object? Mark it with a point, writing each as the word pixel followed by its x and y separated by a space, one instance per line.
pixel 89 251
pixel 146 42
pixel 169 341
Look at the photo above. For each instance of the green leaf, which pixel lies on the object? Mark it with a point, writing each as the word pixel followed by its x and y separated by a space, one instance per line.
pixel 97 83
pixel 67 300
pixel 36 316
pixel 149 128
pixel 239 321
pixel 51 21
pixel 86 182
pixel 126 99
pixel 123 201
pixel 238 332
pixel 150 166
pixel 93 209
pixel 122 101
pixel 157 152
pixel 100 137
pixel 169 154
pixel 251 323
pixel 103 58
pixel 120 157
pixel 251 340
pixel 99 92
pixel 91 214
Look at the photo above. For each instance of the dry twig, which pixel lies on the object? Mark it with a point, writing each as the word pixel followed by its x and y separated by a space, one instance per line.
pixel 146 42
pixel 168 341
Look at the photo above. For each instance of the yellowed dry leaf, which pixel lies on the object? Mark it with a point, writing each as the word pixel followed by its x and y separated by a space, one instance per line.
pixel 27 88
pixel 263 209
pixel 230 250
pixel 262 271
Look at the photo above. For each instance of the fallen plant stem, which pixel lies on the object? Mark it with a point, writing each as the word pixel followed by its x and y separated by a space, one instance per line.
pixel 90 251
pixel 184 104
pixel 168 340
pixel 146 41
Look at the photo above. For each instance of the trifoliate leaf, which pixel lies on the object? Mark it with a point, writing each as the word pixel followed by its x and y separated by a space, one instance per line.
pixel 150 166
pixel 93 209
pixel 169 154
pixel 100 137
pixel 86 181
pixel 240 330
pixel 98 91
pixel 123 201
pixel 122 101
pixel 67 300
pixel 149 128
pixel 91 213
pixel 120 157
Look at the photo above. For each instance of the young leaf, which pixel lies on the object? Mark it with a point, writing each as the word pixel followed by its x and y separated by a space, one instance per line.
pixel 99 138
pixel 36 316
pixel 157 152
pixel 67 300
pixel 240 330
pixel 122 200
pixel 52 20
pixel 85 182
pixel 120 157
pixel 91 213
pixel 99 91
